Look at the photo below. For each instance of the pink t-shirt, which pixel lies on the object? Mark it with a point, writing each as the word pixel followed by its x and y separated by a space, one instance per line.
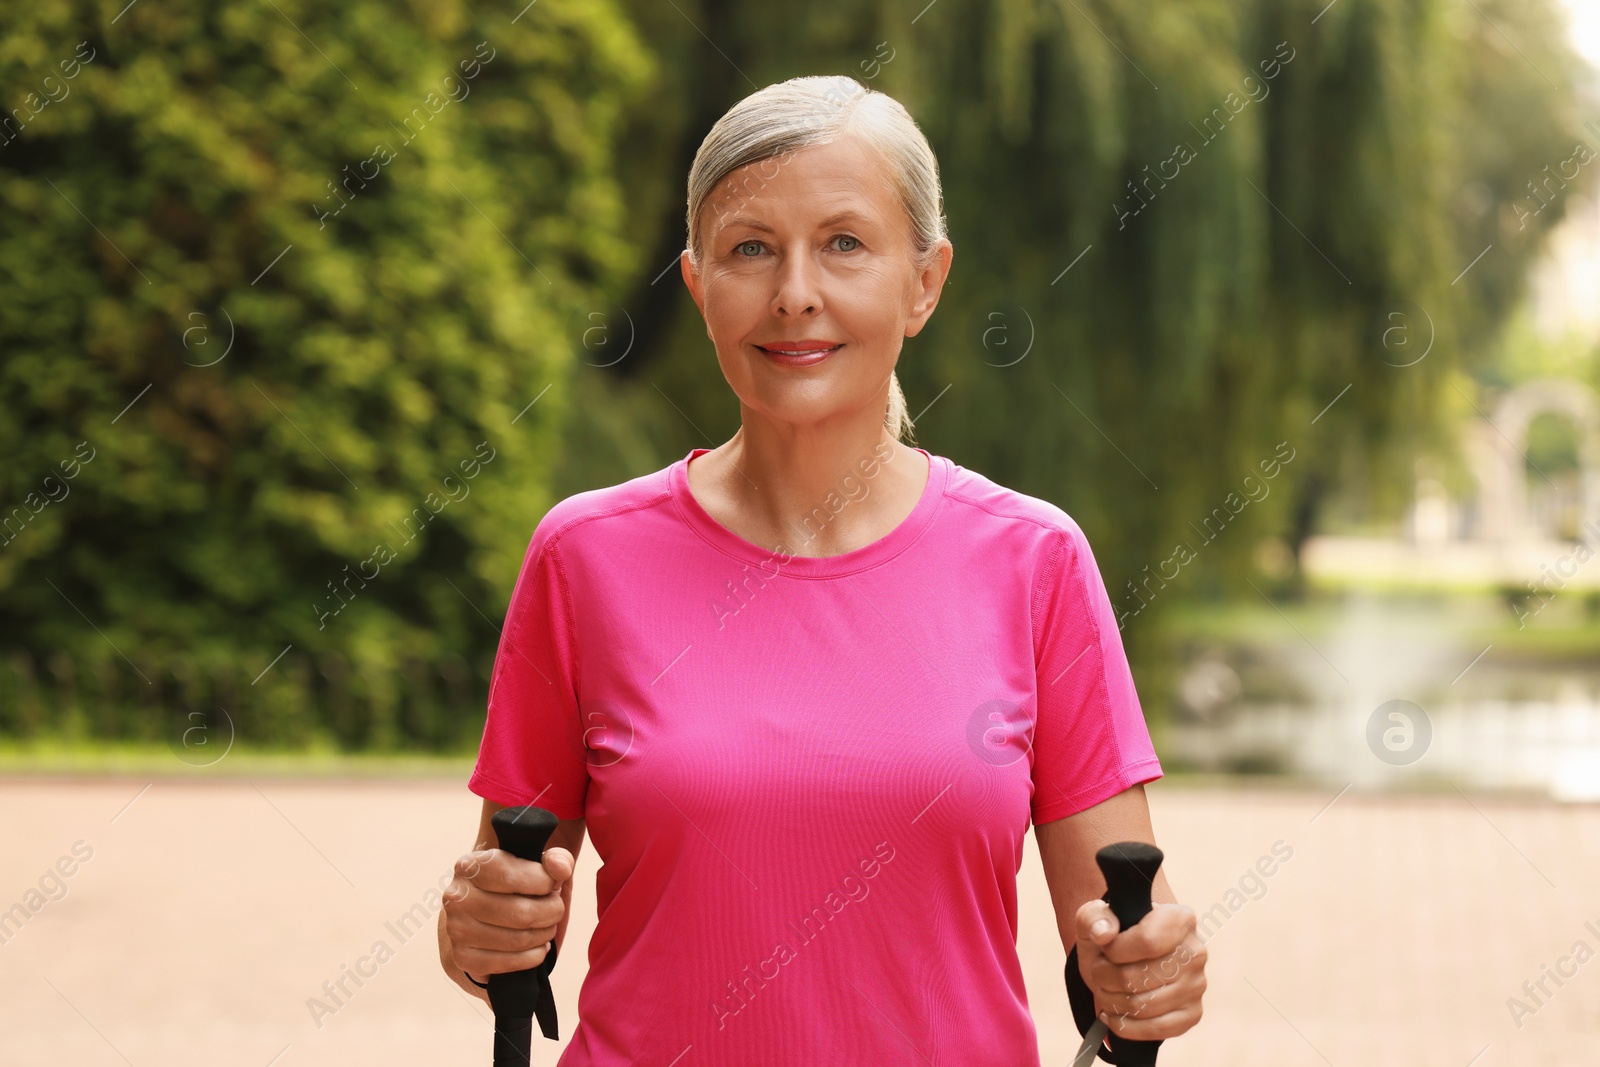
pixel 808 779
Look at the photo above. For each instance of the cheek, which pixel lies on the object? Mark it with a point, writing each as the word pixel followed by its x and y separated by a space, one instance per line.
pixel 733 305
pixel 870 305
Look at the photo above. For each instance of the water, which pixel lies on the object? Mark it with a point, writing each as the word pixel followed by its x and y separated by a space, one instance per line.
pixel 1397 695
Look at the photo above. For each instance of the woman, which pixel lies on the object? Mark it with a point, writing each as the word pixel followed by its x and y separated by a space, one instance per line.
pixel 808 688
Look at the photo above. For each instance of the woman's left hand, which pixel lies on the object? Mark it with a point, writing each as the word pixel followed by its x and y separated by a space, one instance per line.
pixel 1147 981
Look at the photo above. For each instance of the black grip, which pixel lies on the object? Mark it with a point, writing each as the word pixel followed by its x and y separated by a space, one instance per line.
pixel 1130 870
pixel 518 996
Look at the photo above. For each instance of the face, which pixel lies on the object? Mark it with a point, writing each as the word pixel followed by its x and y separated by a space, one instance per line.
pixel 807 282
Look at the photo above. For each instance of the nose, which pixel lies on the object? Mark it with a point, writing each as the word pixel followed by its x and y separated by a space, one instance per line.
pixel 799 289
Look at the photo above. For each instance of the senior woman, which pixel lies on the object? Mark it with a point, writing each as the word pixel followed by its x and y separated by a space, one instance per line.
pixel 808 688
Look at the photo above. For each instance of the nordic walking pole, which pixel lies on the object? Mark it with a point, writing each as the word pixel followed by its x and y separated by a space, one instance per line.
pixel 518 996
pixel 1130 870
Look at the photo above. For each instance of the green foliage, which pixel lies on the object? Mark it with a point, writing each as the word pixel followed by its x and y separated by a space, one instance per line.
pixel 1300 254
pixel 1276 282
pixel 296 274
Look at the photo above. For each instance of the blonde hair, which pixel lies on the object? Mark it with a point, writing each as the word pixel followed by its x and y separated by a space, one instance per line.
pixel 817 110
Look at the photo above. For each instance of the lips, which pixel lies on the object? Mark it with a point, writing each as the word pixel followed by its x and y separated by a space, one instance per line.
pixel 799 353
pixel 800 348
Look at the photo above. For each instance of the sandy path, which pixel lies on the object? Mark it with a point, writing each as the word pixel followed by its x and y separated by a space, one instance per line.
pixel 209 913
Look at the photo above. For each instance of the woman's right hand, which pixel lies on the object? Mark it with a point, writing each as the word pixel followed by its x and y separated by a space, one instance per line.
pixel 501 912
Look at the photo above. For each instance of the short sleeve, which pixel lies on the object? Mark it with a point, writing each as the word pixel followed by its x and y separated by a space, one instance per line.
pixel 532 750
pixel 1090 738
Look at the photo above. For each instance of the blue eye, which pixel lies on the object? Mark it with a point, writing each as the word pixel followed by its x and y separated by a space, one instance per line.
pixel 847 237
pixel 749 244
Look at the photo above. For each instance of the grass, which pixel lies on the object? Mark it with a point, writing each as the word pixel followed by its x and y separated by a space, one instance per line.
pixel 57 757
pixel 1560 633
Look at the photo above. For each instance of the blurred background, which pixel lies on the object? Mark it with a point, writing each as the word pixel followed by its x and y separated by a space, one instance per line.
pixel 1292 305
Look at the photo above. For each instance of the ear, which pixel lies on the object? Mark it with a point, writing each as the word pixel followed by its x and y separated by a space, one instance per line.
pixel 929 284
pixel 691 278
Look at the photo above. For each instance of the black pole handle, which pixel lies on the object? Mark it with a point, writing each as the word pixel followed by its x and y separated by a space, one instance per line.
pixel 518 996
pixel 1130 870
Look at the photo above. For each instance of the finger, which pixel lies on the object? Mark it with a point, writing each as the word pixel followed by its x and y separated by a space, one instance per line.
pixel 1157 1000
pixel 513 911
pixel 1143 976
pixel 559 864
pixel 482 962
pixel 469 931
pixel 1158 1028
pixel 1096 924
pixel 498 871
pixel 1158 934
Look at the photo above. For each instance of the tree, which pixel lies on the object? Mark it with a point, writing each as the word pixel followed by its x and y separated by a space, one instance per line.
pixel 1221 233
pixel 298 277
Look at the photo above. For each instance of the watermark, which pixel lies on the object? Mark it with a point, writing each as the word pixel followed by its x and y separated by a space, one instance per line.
pixel 607 732
pixel 999 732
pixel 205 739
pixel 1399 732
pixel 455 88
pixel 51 887
pixel 16 120
pixel 741 191
pixel 18 518
pixel 382 156
pixel 336 992
pixel 597 336
pixel 1547 190
pixel 1556 576
pixel 1251 886
pixel 852 889
pixel 1185 153
pixel 1255 489
pixel 737 594
pixel 878 61
pixel 382 554
pixel 1396 337
pixel 203 328
pixel 1566 968
pixel 998 335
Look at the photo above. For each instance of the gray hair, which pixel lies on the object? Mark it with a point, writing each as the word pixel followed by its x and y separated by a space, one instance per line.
pixel 817 110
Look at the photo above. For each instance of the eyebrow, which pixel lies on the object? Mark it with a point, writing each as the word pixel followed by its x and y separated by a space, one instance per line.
pixel 832 220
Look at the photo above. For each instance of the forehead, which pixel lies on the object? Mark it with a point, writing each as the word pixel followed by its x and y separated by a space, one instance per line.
pixel 805 186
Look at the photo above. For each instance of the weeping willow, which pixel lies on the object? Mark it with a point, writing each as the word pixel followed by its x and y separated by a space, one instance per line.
pixel 1194 243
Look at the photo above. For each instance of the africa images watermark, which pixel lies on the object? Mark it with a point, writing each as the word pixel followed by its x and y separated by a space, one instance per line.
pixel 742 191
pixel 1557 575
pixel 1255 490
pixel 383 155
pixel 336 992
pixel 52 886
pixel 1251 886
pixel 1566 968
pixel 1215 122
pixel 18 518
pixel 1547 191
pixel 12 125
pixel 382 554
pixel 852 490
pixel 741 991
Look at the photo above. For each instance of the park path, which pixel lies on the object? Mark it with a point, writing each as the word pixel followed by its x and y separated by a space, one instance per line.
pixel 207 914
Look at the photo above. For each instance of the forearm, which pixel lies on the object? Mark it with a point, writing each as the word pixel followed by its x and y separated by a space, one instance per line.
pixel 1067 847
